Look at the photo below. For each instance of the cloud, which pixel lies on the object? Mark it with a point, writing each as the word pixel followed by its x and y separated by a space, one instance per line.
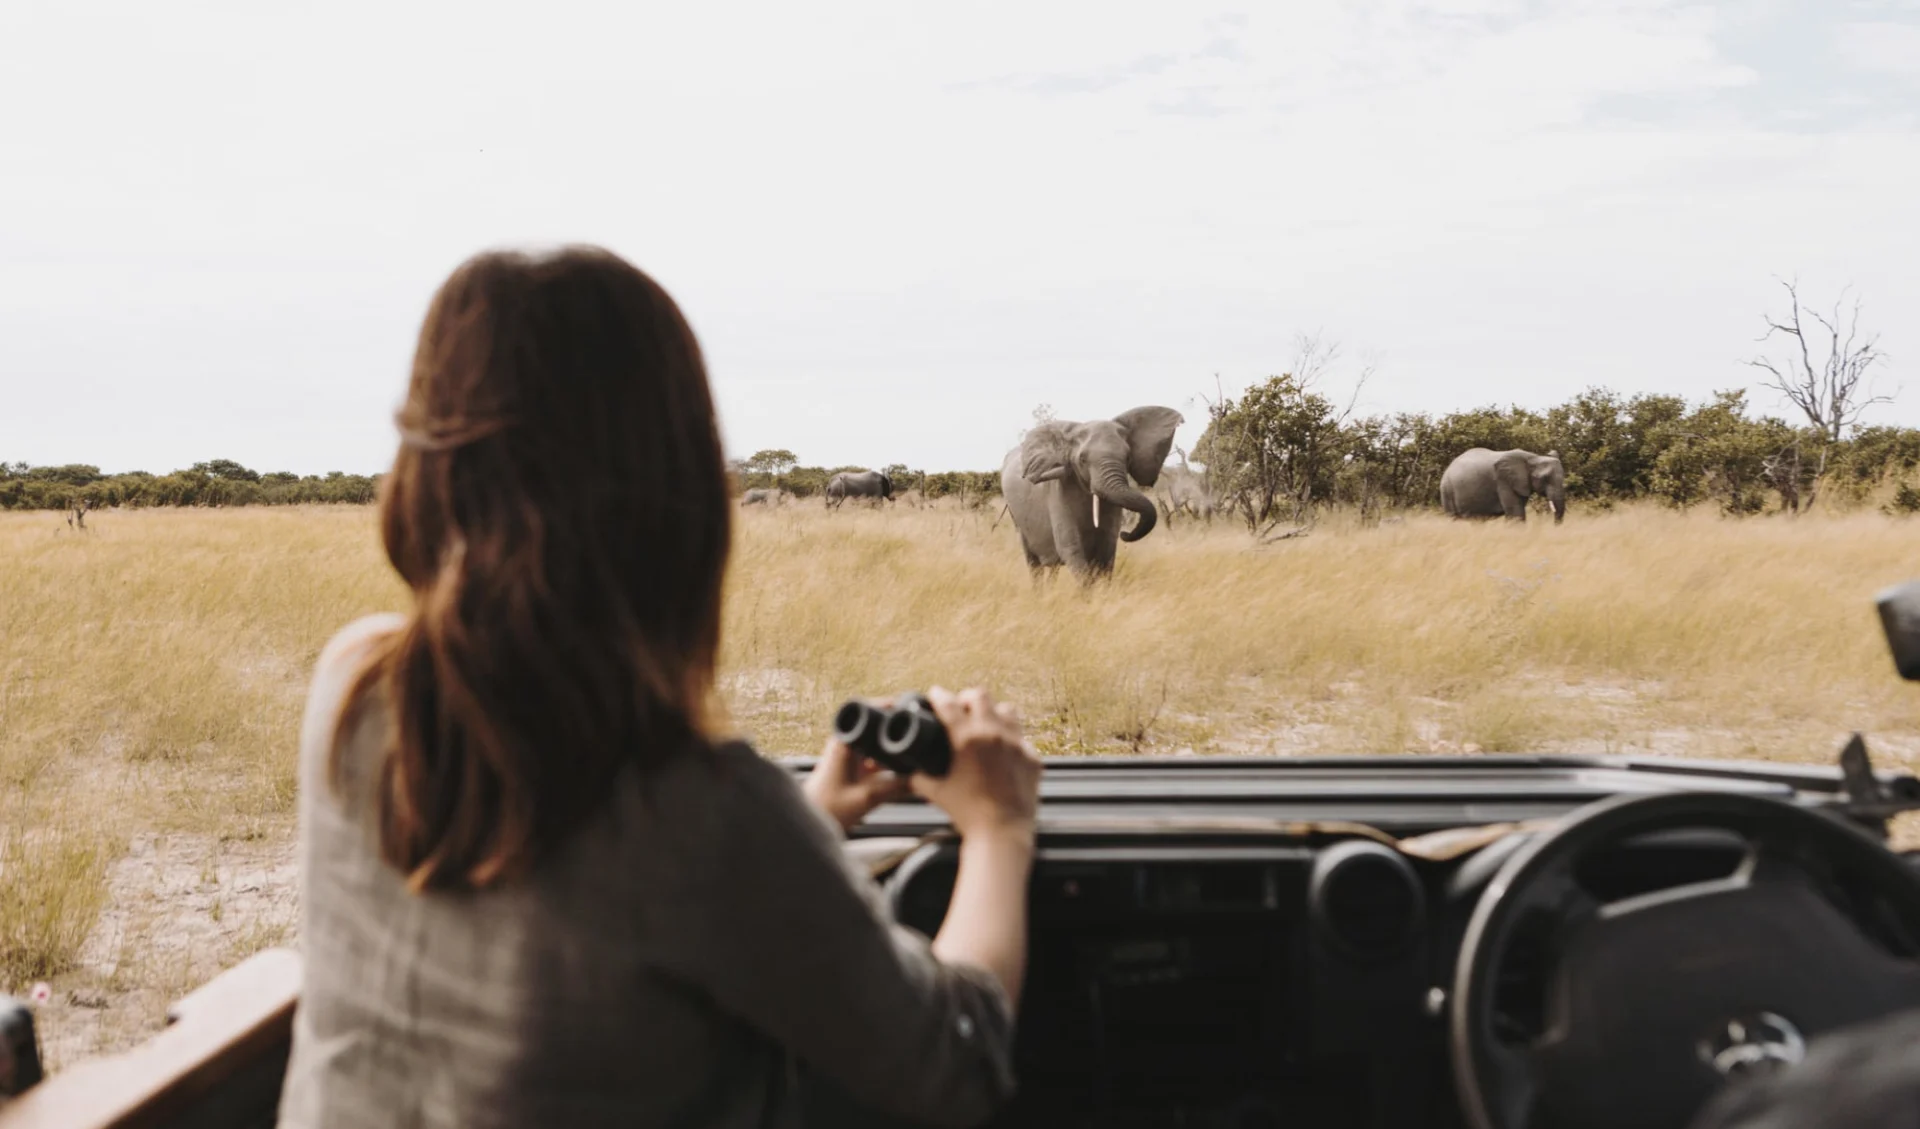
pixel 1882 47
pixel 1094 81
pixel 878 214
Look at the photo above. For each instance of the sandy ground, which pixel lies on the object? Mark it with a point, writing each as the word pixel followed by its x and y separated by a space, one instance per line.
pixel 180 909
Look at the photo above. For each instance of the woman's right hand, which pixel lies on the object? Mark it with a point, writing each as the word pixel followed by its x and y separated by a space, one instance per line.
pixel 994 783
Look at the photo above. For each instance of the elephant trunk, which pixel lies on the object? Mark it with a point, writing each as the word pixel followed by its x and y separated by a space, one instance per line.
pixel 1112 488
pixel 1558 500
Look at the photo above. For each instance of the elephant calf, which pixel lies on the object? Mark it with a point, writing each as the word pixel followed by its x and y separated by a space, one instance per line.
pixel 760 497
pixel 1483 483
pixel 1067 490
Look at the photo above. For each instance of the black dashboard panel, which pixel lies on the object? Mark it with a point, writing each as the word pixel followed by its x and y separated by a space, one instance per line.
pixel 1257 979
pixel 1175 983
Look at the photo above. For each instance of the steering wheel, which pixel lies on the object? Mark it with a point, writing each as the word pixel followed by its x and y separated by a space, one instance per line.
pixel 1652 1002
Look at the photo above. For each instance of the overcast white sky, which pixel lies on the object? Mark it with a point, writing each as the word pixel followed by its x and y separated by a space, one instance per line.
pixel 899 227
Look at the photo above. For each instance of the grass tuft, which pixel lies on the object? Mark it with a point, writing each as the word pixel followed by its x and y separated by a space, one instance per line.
pixel 53 885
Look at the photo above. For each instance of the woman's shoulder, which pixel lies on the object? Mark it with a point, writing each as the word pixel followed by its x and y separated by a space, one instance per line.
pixel 349 645
pixel 333 676
pixel 720 784
pixel 736 765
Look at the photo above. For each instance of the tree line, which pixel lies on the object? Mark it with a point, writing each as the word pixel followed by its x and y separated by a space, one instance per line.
pixel 1281 450
pixel 778 468
pixel 219 482
pixel 1277 452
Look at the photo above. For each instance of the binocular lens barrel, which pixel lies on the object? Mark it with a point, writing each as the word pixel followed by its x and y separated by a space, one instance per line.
pixel 915 734
pixel 857 726
pixel 907 738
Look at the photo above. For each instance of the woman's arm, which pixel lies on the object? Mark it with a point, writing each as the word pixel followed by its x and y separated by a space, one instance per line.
pixel 986 923
pixel 992 795
pixel 768 918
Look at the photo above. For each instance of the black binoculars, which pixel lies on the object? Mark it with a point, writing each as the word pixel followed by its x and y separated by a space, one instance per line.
pixel 907 738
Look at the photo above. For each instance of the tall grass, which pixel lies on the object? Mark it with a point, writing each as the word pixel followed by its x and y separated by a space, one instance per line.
pixel 1600 633
pixel 152 669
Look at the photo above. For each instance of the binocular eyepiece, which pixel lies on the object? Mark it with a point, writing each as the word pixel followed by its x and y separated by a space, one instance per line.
pixel 907 738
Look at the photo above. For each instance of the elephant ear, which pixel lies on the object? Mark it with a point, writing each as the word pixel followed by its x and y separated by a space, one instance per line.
pixel 1045 452
pixel 1515 472
pixel 1149 438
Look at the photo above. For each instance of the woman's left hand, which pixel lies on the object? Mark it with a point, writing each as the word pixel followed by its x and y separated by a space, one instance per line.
pixel 847 786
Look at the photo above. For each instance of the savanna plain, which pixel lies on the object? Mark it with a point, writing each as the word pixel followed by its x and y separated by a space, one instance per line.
pixel 153 667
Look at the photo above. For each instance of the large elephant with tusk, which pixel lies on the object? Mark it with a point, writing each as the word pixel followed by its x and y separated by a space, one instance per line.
pixel 1483 483
pixel 1068 490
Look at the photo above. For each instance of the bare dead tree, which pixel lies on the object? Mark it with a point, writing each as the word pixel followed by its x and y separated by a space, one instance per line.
pixel 1828 392
pixel 1313 356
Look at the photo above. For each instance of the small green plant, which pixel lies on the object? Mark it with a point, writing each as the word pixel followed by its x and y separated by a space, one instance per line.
pixel 1905 501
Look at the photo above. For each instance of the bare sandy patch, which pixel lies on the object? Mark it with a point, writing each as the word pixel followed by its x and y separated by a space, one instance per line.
pixel 179 909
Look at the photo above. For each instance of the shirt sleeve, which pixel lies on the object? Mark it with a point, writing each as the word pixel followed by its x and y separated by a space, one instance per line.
pixel 786 933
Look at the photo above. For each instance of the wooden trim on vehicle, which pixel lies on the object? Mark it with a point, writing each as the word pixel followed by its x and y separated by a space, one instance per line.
pixel 237 1024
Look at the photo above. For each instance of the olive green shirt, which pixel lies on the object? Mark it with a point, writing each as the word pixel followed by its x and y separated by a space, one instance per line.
pixel 694 957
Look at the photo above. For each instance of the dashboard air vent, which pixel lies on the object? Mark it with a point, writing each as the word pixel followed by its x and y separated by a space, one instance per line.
pixel 1366 899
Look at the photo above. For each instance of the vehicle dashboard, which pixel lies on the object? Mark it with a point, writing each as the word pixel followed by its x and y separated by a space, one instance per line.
pixel 1211 967
pixel 1252 982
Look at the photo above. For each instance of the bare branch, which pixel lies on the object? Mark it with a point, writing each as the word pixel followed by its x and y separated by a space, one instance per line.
pixel 1830 394
pixel 1312 356
pixel 1353 401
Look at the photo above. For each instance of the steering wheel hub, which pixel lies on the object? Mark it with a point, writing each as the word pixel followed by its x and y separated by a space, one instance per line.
pixel 1753 1044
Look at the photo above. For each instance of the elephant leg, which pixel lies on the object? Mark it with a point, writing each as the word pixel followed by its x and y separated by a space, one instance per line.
pixel 1064 514
pixel 1512 503
pixel 1038 570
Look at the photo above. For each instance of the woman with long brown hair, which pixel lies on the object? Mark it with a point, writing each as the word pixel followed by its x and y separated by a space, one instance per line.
pixel 538 886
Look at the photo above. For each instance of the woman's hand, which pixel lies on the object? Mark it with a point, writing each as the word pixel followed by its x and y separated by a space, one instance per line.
pixel 994 784
pixel 847 786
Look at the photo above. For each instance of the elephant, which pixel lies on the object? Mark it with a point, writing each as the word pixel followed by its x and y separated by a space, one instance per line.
pixel 858 484
pixel 763 497
pixel 1062 476
pixel 1183 488
pixel 1483 483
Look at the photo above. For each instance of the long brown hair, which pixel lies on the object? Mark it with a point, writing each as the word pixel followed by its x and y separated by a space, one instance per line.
pixel 559 509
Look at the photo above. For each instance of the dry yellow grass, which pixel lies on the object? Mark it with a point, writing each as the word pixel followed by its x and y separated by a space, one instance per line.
pixel 152 672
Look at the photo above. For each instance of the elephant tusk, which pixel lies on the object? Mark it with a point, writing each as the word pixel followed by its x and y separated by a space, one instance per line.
pixel 1096 511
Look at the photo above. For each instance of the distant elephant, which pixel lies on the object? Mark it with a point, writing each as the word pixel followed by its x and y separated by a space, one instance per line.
pixel 1183 488
pixel 763 497
pixel 1067 490
pixel 1483 483
pixel 858 484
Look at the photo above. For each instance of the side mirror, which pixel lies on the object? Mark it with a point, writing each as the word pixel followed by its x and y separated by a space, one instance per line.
pixel 19 1049
pixel 1900 619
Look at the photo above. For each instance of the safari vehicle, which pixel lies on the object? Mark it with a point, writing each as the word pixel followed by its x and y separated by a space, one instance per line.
pixel 1491 941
